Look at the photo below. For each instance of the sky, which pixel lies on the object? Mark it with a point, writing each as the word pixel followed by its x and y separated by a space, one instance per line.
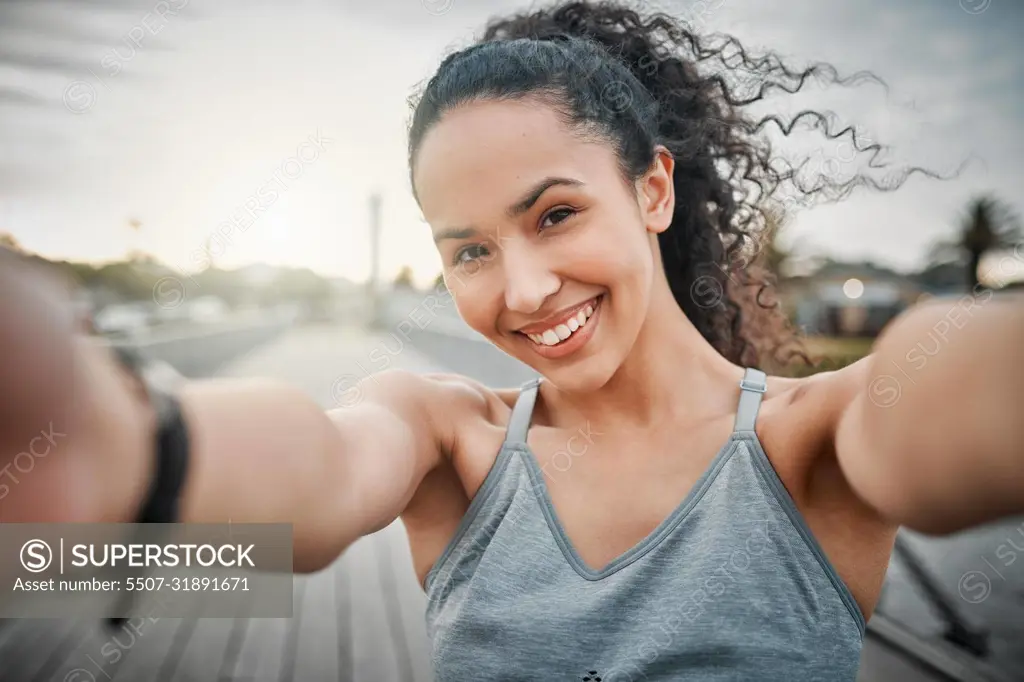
pixel 176 114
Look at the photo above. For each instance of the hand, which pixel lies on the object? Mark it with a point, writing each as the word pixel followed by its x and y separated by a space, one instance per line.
pixel 76 430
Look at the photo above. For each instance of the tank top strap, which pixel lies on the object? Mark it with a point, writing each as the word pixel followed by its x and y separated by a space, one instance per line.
pixel 753 385
pixel 519 422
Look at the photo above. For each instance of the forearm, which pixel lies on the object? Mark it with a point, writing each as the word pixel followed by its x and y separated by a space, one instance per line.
pixel 260 452
pixel 938 426
pixel 264 452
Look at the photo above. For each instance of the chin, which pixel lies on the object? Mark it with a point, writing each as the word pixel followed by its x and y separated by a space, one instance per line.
pixel 589 377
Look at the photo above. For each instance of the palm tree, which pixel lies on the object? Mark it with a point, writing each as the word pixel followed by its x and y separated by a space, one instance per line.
pixel 988 224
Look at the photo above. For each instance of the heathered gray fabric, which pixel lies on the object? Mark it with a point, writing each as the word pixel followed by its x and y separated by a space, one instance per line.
pixel 731 586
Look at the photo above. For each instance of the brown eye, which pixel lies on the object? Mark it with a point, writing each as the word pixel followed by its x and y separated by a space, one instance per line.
pixel 469 253
pixel 557 216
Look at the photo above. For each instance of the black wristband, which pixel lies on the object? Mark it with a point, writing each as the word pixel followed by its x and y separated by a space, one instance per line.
pixel 161 504
pixel 172 445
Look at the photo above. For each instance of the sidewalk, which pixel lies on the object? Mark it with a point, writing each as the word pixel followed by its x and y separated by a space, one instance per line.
pixel 326 361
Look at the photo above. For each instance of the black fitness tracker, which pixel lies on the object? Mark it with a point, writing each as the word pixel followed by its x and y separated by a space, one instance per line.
pixel 161 504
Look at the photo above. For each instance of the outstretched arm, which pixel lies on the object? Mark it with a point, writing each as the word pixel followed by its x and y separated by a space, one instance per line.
pixel 261 451
pixel 934 438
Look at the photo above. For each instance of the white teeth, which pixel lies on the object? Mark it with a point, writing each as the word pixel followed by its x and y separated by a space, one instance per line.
pixel 563 331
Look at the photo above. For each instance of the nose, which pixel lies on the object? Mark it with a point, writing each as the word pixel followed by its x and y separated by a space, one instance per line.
pixel 529 280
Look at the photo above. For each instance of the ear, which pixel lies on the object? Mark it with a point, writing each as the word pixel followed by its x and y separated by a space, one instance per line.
pixel 657 193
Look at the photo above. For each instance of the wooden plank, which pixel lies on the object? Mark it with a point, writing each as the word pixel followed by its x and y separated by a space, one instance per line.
pixel 151 650
pixel 19 636
pixel 8 629
pixel 29 650
pixel 239 632
pixel 76 632
pixel 259 658
pixel 316 656
pixel 266 653
pixel 407 603
pixel 343 617
pixel 97 652
pixel 372 645
pixel 204 655
pixel 286 671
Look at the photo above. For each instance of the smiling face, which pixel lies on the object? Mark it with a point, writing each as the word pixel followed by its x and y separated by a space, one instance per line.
pixel 547 251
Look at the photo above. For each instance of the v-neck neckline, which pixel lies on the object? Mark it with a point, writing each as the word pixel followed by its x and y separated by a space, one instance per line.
pixel 646 544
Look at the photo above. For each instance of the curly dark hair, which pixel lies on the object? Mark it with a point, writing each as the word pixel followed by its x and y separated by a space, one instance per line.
pixel 638 81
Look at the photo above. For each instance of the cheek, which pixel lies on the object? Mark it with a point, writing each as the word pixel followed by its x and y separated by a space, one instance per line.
pixel 615 258
pixel 478 298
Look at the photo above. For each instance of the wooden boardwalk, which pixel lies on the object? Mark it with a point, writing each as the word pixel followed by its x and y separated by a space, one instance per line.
pixel 361 619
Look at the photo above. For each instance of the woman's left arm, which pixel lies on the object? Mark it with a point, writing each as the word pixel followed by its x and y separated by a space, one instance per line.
pixel 934 437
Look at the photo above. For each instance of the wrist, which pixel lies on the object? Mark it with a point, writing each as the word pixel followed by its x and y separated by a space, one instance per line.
pixel 155 385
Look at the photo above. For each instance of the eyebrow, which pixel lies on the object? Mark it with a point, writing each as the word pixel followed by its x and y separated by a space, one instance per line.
pixel 515 210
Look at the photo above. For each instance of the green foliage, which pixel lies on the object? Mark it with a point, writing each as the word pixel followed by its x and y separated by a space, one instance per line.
pixel 987 224
pixel 404 278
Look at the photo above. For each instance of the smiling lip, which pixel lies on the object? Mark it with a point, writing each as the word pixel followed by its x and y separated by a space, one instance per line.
pixel 552 321
pixel 574 342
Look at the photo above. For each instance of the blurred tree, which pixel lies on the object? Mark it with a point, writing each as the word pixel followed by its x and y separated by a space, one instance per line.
pixel 84 273
pixel 8 241
pixel 404 278
pixel 987 224
pixel 125 280
pixel 301 284
pixel 439 282
pixel 229 286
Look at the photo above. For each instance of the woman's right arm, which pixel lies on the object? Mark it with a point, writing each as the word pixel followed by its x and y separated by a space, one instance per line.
pixel 261 452
pixel 265 452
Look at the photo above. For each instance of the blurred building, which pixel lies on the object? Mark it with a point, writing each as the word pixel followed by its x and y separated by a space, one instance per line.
pixel 849 299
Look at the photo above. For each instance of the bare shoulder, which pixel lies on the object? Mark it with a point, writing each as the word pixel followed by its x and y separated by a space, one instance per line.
pixel 817 404
pixel 468 397
pixel 800 426
pixel 838 388
pixel 825 394
pixel 448 402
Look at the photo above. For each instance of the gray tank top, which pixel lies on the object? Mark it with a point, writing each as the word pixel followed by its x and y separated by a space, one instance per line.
pixel 731 586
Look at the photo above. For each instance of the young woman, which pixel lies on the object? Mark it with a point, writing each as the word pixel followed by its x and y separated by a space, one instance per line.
pixel 654 507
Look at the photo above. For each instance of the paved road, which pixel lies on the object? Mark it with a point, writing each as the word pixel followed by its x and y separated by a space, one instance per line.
pixel 362 618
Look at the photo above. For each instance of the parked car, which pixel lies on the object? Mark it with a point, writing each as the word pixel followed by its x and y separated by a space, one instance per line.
pixel 206 309
pixel 122 318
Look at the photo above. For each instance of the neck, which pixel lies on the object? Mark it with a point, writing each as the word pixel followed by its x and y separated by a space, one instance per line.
pixel 671 373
